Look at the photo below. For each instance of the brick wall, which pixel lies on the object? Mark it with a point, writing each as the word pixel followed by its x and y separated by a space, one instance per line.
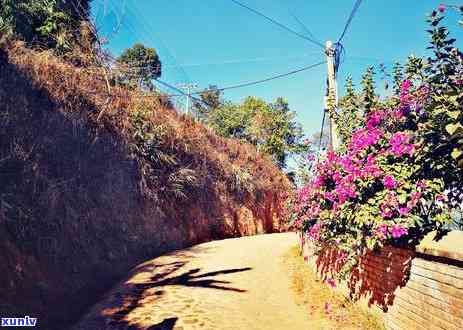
pixel 409 289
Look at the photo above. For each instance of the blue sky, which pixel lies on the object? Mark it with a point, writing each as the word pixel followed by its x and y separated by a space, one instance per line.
pixel 217 42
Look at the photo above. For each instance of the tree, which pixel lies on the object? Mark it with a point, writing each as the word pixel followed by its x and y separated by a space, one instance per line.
pixel 271 127
pixel 350 116
pixel 54 24
pixel 211 99
pixel 368 86
pixel 139 65
pixel 277 132
pixel 398 78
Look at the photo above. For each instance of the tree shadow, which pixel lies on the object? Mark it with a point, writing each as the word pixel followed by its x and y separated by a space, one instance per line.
pixel 133 294
pixel 167 324
pixel 376 277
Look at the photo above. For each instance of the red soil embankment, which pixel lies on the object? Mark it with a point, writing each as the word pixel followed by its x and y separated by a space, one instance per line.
pixel 78 209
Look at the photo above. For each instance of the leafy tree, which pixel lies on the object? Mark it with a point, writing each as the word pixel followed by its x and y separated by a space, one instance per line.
pixel 211 99
pixel 275 132
pixel 398 78
pixel 233 120
pixel 384 75
pixel 368 88
pixel 139 65
pixel 48 23
pixel 400 174
pixel 350 117
pixel 271 127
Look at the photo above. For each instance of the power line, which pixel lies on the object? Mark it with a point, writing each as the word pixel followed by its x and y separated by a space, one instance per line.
pixel 178 90
pixel 148 31
pixel 306 29
pixel 284 27
pixel 349 20
pixel 246 84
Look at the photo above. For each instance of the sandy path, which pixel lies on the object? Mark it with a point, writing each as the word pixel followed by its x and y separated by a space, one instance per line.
pixel 231 284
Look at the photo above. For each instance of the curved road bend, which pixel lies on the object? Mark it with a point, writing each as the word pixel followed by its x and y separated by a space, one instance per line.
pixel 234 284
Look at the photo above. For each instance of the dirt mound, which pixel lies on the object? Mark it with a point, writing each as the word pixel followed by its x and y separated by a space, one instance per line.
pixel 94 180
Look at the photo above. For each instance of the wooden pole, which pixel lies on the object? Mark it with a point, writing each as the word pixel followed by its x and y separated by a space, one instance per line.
pixel 332 94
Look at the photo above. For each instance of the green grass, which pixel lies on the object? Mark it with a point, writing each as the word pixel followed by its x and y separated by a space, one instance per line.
pixel 327 309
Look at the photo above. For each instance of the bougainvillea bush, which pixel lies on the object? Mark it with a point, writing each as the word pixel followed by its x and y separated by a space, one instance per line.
pixel 392 179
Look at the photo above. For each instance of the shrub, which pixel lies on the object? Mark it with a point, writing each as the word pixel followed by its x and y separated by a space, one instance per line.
pixel 395 177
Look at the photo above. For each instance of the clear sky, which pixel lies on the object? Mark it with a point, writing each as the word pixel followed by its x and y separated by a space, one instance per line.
pixel 217 42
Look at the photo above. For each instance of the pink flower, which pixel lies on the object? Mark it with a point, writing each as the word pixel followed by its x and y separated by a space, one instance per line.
pixel 404 211
pixel 327 308
pixel 398 231
pixel 337 177
pixel 304 194
pixel 381 232
pixel 399 144
pixel 311 157
pixel 314 232
pixel 415 198
pixel 386 212
pixel 422 185
pixel 330 196
pixel 318 182
pixel 406 84
pixel 363 138
pixel 374 119
pixel 389 182
pixel 441 8
pixel 332 157
pixel 441 198
pixel 331 282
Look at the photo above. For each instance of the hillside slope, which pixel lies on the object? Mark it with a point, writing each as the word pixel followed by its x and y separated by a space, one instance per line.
pixel 91 183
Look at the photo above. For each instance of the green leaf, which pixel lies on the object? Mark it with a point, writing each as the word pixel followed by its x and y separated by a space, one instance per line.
pixel 454 128
pixel 454 114
pixel 456 153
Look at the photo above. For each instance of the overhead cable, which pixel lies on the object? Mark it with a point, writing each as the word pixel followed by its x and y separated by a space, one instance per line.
pixel 284 27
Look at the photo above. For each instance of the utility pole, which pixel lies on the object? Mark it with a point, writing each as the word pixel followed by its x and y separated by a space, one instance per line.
pixel 332 94
pixel 188 88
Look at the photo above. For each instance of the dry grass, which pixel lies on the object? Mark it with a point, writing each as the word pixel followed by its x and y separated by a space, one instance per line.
pixel 328 309
pixel 196 147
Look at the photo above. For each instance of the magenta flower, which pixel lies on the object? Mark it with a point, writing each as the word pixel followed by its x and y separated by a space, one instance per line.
pixel 318 182
pixel 421 185
pixel 332 157
pixel 441 8
pixel 400 144
pixel 389 182
pixel 441 198
pixel 398 231
pixel 330 196
pixel 337 177
pixel 327 308
pixel 386 212
pixel 381 232
pixel 404 211
pixel 406 84
pixel 331 282
pixel 314 232
pixel 374 119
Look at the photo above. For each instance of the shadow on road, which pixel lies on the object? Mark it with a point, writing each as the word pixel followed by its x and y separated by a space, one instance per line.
pixel 167 324
pixel 131 295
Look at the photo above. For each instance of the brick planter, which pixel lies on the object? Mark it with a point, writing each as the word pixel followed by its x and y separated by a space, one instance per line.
pixel 409 289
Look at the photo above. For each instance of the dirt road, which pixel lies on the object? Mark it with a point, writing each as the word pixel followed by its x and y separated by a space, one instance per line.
pixel 231 284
